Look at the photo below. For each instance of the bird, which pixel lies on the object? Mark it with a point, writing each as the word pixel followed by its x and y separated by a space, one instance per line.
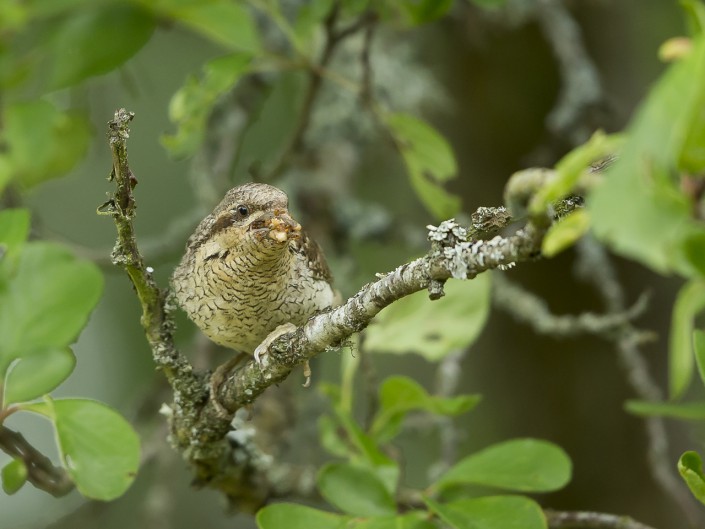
pixel 251 273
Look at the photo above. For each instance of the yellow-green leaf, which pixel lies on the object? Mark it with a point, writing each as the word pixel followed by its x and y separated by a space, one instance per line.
pixel 14 475
pixel 565 232
pixel 690 467
pixel 429 161
pixel 689 303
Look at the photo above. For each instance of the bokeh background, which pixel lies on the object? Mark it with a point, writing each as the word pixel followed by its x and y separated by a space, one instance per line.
pixel 487 81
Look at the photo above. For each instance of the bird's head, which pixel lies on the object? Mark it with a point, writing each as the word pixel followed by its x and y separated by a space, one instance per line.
pixel 251 218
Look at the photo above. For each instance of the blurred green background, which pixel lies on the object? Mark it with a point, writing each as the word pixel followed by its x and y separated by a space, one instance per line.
pixel 486 83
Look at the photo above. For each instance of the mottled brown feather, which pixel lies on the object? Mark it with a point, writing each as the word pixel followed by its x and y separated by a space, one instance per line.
pixel 309 248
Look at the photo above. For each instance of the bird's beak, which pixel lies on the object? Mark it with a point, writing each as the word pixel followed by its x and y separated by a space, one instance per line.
pixel 282 227
pixel 277 225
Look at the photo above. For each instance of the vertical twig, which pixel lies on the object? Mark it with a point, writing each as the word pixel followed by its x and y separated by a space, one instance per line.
pixel 155 319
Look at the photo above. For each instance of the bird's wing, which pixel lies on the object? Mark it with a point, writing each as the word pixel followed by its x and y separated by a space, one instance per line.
pixel 309 249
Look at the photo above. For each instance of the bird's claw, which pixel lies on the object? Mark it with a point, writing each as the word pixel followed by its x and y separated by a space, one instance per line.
pixel 261 349
pixel 258 354
pixel 307 374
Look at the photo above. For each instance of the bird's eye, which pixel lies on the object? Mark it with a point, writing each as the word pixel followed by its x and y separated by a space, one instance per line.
pixel 242 211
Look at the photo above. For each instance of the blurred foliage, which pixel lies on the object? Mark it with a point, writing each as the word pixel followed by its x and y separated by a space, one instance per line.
pixel 51 294
pixel 645 207
pixel 364 487
pixel 690 467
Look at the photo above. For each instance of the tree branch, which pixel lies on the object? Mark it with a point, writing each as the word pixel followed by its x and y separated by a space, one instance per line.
pixel 201 420
pixel 581 90
pixel 529 308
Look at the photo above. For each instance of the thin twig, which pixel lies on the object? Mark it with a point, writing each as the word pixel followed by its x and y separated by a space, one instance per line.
pixel 448 376
pixel 41 472
pixel 316 75
pixel 580 89
pixel 532 310
pixel 155 318
pixel 366 86
pixel 370 381
pixel 590 520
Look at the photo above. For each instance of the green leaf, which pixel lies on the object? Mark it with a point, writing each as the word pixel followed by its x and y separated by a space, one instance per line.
pixel 42 141
pixel 13 17
pixel 98 447
pixel 690 411
pixel 14 229
pixel 400 395
pixel 489 4
pixel 699 347
pixel 14 475
pixel 574 165
pixel 408 520
pixel 96 40
pixel 192 104
pixel 491 512
pixel 433 329
pixel 355 490
pixel 424 11
pixel 527 465
pixel 272 123
pixel 690 467
pixel 429 161
pixel 694 251
pixel 223 21
pixel 366 452
pixel 639 209
pixel 695 15
pixel 293 516
pixel 51 297
pixel 37 373
pixel 329 438
pixel 689 303
pixel 6 168
pixel 49 8
pixel 309 17
pixel 565 232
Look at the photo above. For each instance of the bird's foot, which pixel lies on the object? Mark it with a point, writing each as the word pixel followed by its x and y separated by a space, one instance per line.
pixel 261 349
pixel 276 333
pixel 218 377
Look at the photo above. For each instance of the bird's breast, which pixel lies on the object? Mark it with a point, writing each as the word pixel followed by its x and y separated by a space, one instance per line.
pixel 238 299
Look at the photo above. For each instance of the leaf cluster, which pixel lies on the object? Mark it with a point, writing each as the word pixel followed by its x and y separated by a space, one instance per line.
pixel 366 487
pixel 47 295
